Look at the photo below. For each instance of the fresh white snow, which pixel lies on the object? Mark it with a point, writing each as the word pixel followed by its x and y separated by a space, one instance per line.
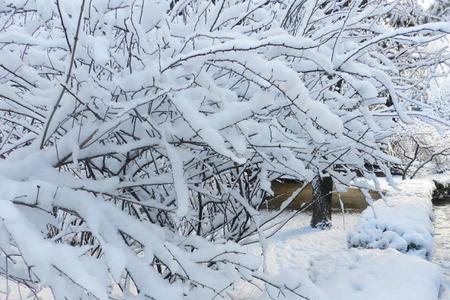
pixel 402 220
pixel 336 272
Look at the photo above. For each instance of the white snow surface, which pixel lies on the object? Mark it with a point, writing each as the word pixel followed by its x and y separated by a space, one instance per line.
pixel 402 220
pixel 336 272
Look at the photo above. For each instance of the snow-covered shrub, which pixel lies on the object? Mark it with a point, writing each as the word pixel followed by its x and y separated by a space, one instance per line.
pixel 141 137
pixel 403 220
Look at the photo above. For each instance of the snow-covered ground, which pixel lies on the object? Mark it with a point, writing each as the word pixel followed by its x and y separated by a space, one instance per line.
pixel 340 273
pixel 403 220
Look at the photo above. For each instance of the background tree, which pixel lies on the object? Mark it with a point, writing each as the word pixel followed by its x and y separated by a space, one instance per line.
pixel 420 147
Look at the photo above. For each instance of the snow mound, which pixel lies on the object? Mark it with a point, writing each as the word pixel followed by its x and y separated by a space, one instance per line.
pixel 402 220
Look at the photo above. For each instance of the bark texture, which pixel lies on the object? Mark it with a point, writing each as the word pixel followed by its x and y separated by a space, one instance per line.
pixel 322 188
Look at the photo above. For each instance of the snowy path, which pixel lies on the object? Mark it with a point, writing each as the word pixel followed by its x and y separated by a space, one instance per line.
pixel 442 239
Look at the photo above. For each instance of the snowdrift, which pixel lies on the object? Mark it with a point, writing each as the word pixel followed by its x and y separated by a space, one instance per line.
pixel 403 220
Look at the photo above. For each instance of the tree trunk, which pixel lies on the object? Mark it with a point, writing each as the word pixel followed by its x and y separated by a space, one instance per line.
pixel 321 190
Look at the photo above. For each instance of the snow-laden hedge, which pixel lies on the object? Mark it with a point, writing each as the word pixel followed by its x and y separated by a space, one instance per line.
pixel 402 220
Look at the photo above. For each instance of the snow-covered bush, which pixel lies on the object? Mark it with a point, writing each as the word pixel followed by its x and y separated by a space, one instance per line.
pixel 403 220
pixel 140 137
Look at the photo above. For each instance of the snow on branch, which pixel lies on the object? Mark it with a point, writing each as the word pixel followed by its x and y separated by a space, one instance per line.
pixel 139 138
